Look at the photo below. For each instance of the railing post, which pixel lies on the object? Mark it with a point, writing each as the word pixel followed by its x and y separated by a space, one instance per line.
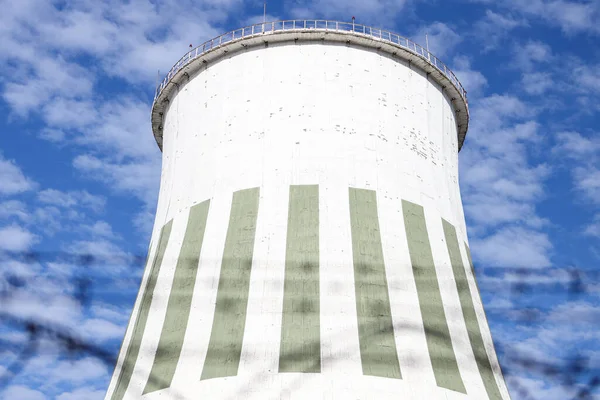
pixel 308 24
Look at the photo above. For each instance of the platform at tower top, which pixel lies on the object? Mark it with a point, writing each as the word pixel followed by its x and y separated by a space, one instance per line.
pixel 311 30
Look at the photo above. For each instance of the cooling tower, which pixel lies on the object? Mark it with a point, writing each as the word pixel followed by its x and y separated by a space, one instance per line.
pixel 309 240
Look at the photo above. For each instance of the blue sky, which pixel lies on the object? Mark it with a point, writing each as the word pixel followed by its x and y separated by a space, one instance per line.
pixel 79 170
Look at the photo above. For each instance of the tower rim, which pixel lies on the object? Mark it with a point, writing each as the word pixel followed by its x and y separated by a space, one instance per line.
pixel 311 30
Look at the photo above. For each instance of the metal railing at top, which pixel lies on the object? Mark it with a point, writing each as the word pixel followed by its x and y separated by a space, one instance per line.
pixel 319 25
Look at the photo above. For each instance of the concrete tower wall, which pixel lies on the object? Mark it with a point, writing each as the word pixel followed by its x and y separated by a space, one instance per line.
pixel 309 241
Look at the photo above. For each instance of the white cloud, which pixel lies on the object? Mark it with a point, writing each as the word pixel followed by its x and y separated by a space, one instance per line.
pixel 16 238
pixel 22 393
pixel 571 17
pixel 584 153
pixel 497 108
pixel 133 40
pixel 587 182
pixel 514 247
pixel 473 81
pixel 100 330
pixel 587 78
pixel 52 135
pixel 540 349
pixel 593 229
pixel 80 198
pixel 108 258
pixel 144 221
pixel 52 76
pixel 491 211
pixel 574 145
pixel 21 270
pixel 77 371
pixel 501 186
pixel 82 394
pixel 540 387
pixel 14 208
pixel 100 229
pixel 122 130
pixel 51 69
pixel 536 83
pixel 582 313
pixel 56 373
pixel 562 277
pixel 137 178
pixel 365 11
pixel 12 179
pixel 68 114
pixel 110 313
pixel 442 38
pixel 494 27
pixel 49 305
pixel 527 55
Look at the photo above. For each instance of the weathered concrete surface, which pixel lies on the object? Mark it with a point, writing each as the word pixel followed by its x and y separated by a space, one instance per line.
pixel 340 117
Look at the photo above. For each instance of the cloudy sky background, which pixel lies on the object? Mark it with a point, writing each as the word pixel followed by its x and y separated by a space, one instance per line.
pixel 79 171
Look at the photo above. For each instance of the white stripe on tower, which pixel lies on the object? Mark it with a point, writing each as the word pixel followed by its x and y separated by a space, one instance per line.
pixel 408 322
pixel 260 351
pixel 481 319
pixel 152 249
pixel 340 348
pixel 158 307
pixel 195 345
pixel 454 315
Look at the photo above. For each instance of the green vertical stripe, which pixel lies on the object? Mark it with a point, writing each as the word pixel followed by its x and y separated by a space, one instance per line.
pixel 468 309
pixel 441 352
pixel 140 323
pixel 180 302
pixel 375 327
pixel 472 269
pixel 300 329
pixel 225 346
pixel 131 318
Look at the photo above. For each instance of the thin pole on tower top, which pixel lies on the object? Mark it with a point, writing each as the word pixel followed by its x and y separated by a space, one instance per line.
pixel 427 42
pixel 264 12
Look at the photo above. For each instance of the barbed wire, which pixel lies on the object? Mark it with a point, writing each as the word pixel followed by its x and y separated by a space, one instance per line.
pixel 573 375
